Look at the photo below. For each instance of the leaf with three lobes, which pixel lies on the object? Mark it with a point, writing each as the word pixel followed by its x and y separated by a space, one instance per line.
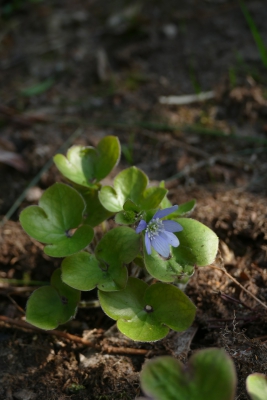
pixel 58 221
pixel 146 313
pixel 209 374
pixel 131 184
pixel 88 165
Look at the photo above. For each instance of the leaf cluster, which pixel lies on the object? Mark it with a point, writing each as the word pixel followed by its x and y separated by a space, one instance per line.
pixel 64 220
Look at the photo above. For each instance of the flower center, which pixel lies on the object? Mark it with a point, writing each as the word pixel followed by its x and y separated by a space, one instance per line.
pixel 154 227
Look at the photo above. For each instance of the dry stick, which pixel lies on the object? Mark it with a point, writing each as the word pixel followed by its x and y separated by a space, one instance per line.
pixel 239 284
pixel 15 304
pixel 73 338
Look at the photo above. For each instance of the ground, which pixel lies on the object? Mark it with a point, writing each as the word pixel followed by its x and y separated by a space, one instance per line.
pixel 75 71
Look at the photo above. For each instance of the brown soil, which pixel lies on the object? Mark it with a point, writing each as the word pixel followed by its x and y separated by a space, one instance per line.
pixel 106 78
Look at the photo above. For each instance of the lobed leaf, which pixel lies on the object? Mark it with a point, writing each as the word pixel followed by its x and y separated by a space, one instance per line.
pixel 210 374
pixel 146 313
pixel 50 306
pixel 131 184
pixel 57 221
pixel 88 165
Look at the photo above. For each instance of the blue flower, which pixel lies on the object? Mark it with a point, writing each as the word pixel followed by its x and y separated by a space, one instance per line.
pixel 158 234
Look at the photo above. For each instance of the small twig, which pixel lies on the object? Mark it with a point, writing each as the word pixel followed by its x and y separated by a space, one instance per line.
pixel 261 338
pixel 239 284
pixel 15 304
pixel 186 99
pixel 124 350
pixel 226 297
pixel 73 338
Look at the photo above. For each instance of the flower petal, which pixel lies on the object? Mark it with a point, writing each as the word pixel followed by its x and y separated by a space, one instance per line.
pixel 170 238
pixel 148 244
pixel 161 246
pixel 172 226
pixel 165 212
pixel 141 226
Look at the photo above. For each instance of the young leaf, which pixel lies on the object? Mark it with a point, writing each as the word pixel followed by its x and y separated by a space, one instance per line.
pixel 130 215
pixel 198 246
pixel 88 165
pixel 105 269
pixel 183 209
pixel 59 214
pixel 210 374
pixel 131 184
pixel 146 313
pixel 125 218
pixel 50 306
pixel 257 386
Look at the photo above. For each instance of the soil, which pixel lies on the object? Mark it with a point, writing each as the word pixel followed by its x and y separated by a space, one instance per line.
pixel 103 67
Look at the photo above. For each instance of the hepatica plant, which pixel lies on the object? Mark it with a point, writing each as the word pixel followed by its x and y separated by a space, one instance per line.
pixel 137 266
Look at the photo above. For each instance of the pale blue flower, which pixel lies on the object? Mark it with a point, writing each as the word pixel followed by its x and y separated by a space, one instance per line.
pixel 159 234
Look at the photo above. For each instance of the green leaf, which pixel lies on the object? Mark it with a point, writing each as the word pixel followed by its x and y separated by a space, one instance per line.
pixel 131 184
pixel 119 244
pixel 198 243
pixel 50 306
pixel 198 246
pixel 105 269
pixel 129 205
pixel 88 165
pixel 57 221
pixel 84 272
pixel 257 386
pixel 183 209
pixel 146 313
pixel 94 213
pixel 39 88
pixel 165 202
pixel 152 197
pixel 255 33
pixel 210 374
pixel 125 218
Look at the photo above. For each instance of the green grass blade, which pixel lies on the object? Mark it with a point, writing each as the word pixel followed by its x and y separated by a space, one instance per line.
pixel 255 33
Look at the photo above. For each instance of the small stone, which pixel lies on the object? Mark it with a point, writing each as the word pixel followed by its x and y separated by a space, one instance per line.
pixel 169 30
